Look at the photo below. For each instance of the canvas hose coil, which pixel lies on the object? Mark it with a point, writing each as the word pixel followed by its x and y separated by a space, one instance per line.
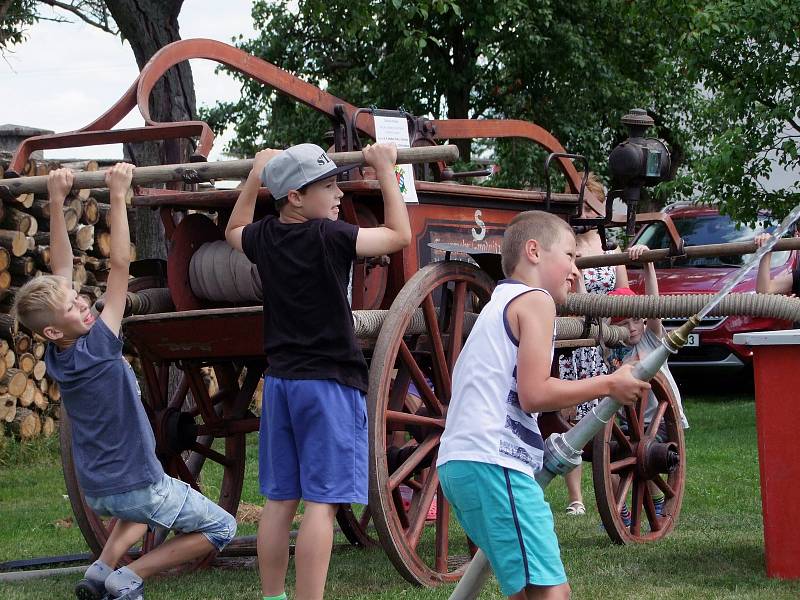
pixel 773 306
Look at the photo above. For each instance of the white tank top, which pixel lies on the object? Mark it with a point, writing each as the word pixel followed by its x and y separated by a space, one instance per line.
pixel 484 421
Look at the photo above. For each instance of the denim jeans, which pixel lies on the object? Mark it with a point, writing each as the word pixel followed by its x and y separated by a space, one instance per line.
pixel 170 503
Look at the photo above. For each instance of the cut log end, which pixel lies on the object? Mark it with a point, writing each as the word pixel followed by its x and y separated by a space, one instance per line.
pixel 8 407
pixel 48 426
pixel 26 424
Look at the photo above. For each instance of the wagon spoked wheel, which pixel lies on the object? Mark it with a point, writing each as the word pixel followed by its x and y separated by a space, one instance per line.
pixel 94 529
pixel 186 427
pixel 354 521
pixel 409 391
pixel 633 461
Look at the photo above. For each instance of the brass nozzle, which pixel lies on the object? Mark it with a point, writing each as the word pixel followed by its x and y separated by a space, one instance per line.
pixel 677 338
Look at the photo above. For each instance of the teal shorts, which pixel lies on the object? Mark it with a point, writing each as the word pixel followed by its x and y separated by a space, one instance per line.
pixel 504 513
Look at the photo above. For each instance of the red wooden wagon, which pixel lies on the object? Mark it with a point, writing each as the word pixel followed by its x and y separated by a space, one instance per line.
pixel 426 303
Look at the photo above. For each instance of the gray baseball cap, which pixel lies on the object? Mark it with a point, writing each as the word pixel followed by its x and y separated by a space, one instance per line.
pixel 299 166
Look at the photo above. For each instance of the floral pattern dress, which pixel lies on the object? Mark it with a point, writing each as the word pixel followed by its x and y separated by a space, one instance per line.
pixel 583 363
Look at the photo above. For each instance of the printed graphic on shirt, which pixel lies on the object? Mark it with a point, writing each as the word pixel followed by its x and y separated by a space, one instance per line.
pixel 521 439
pixel 132 372
pixel 619 356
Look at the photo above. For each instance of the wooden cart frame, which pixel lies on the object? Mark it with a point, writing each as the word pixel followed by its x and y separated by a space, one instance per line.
pixel 410 369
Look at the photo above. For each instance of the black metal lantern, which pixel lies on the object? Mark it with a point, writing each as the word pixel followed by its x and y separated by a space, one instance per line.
pixel 638 162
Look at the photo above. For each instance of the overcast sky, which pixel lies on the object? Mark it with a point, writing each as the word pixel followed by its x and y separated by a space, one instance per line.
pixel 65 75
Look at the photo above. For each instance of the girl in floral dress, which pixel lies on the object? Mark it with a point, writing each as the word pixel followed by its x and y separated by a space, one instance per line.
pixel 586 362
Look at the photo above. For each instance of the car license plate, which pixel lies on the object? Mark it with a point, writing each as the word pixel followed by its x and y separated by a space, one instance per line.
pixel 693 339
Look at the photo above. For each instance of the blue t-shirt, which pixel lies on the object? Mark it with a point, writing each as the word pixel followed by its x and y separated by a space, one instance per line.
pixel 112 442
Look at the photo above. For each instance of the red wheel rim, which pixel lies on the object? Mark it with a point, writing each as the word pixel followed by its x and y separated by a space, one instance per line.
pixel 406 427
pixel 629 465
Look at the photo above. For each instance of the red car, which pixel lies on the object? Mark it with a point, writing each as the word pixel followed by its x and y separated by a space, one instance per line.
pixel 711 345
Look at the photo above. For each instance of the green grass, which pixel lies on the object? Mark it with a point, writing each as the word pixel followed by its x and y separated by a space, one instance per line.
pixel 35 513
pixel 715 552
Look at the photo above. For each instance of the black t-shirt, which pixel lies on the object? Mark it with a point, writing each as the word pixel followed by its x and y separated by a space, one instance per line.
pixel 308 324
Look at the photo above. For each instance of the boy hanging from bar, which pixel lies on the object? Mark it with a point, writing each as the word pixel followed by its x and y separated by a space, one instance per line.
pixel 113 445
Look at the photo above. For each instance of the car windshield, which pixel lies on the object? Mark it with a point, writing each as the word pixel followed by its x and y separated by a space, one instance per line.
pixel 706 229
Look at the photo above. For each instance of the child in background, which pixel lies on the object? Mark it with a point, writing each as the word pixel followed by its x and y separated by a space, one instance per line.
pixel 581 363
pixel 785 283
pixel 644 337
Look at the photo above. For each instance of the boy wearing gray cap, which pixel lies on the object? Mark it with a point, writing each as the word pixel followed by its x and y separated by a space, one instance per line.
pixel 313 437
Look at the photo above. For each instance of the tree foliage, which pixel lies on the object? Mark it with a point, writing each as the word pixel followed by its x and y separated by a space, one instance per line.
pixel 148 26
pixel 17 16
pixel 744 57
pixel 573 68
pixel 720 78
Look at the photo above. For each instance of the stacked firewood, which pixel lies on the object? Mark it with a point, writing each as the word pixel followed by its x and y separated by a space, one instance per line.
pixel 29 401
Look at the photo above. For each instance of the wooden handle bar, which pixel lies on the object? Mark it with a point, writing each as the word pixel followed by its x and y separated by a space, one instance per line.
pixel 205 171
pixel 706 250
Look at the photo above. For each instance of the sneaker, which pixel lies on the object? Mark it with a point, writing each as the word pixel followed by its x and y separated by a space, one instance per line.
pixel 89 589
pixel 136 593
pixel 627 520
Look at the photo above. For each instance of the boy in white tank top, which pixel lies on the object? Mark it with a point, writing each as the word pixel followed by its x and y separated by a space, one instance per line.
pixel 491 446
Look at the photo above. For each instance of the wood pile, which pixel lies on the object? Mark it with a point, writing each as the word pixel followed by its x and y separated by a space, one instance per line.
pixel 29 400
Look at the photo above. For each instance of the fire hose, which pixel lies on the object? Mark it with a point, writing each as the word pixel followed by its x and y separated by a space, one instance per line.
pixel 676 306
pixel 367 323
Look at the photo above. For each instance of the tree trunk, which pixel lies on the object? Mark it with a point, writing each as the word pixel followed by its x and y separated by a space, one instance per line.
pixel 149 25
pixel 459 86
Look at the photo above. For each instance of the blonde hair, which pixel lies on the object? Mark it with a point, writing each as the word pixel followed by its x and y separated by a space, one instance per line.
pixel 593 185
pixel 38 301
pixel 537 225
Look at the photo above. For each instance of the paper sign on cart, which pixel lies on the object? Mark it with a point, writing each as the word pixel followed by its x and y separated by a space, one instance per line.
pixel 395 130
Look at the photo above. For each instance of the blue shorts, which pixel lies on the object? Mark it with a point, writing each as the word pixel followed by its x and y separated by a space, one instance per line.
pixel 313 441
pixel 504 512
pixel 169 503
